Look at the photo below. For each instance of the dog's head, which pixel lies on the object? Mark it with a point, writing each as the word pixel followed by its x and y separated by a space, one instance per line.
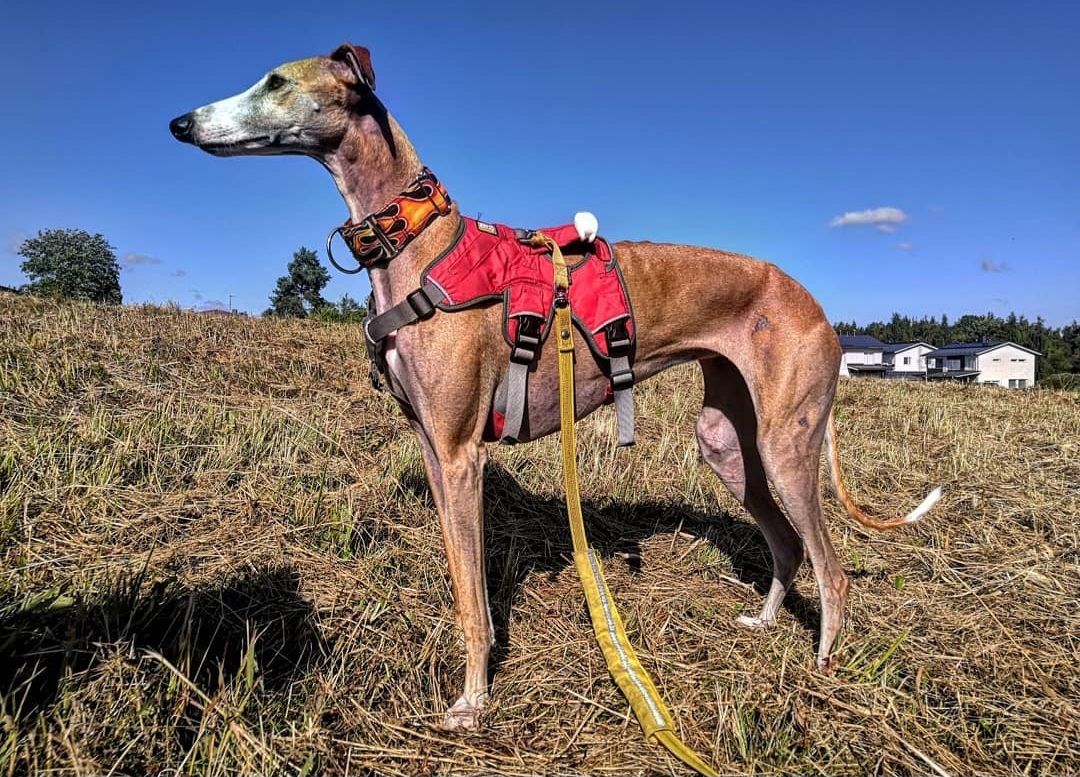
pixel 301 107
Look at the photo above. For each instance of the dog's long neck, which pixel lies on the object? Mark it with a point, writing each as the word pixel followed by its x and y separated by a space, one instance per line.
pixel 370 169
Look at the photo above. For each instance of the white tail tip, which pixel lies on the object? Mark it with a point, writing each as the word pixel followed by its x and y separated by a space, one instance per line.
pixel 925 507
pixel 587 226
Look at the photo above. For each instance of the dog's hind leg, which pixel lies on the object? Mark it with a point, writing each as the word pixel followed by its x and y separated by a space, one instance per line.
pixel 791 452
pixel 727 436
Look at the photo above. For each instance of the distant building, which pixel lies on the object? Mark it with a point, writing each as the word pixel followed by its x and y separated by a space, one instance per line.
pixel 1000 364
pixel 862 355
pixel 906 361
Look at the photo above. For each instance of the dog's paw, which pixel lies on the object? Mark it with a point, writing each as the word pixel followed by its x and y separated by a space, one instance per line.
pixel 755 624
pixel 463 716
pixel 828 664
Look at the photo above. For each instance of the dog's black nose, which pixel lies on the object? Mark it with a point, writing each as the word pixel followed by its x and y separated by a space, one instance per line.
pixel 181 127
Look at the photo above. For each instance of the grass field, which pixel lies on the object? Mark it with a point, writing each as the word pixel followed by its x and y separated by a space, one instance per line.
pixel 220 556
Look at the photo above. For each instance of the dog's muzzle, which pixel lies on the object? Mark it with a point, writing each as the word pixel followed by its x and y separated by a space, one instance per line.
pixel 182 127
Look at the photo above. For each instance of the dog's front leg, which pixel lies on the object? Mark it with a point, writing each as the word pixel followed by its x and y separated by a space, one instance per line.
pixel 457 475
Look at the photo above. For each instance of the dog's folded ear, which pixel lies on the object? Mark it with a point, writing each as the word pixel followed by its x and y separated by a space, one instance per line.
pixel 358 59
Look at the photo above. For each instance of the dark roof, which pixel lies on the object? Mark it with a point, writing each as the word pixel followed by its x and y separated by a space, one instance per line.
pixel 860 341
pixel 867 367
pixel 897 347
pixel 971 349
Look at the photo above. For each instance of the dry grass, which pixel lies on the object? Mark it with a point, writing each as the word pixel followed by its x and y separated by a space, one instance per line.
pixel 219 555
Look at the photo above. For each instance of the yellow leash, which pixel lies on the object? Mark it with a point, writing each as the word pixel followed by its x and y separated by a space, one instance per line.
pixel 622 661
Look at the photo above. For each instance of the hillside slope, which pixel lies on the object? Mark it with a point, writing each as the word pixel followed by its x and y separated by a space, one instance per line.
pixel 219 555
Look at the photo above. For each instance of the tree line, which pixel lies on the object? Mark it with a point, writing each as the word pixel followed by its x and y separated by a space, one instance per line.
pixel 73 264
pixel 1060 347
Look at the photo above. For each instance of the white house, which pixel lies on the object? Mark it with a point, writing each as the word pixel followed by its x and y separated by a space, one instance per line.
pixel 861 355
pixel 906 360
pixel 1000 364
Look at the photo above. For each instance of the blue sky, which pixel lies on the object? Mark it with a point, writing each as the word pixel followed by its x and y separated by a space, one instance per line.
pixel 746 126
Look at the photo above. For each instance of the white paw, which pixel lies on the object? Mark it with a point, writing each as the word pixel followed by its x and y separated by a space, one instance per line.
pixel 753 623
pixel 463 716
pixel 586 225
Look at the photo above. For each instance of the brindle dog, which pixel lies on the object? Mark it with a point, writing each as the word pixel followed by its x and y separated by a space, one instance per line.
pixel 768 354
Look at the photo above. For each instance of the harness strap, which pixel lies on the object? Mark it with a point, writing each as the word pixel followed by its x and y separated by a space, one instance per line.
pixel 622 379
pixel 624 399
pixel 622 662
pixel 417 306
pixel 522 355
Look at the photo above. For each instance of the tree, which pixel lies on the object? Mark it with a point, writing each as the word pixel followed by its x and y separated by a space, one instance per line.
pixel 299 294
pixel 347 311
pixel 71 263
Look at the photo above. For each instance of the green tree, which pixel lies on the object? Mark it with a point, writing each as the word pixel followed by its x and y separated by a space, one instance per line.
pixel 351 310
pixel 71 263
pixel 299 294
pixel 348 311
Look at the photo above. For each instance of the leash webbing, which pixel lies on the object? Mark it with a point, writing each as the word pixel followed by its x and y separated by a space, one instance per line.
pixel 622 661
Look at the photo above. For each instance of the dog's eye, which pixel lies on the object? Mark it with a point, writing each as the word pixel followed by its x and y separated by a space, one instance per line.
pixel 274 81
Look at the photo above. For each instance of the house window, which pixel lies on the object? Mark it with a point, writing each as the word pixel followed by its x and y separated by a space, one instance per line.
pixel 907 360
pixel 1013 383
pixel 997 360
pixel 1021 383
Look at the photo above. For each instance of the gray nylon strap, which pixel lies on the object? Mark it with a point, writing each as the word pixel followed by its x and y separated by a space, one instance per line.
pixel 517 385
pixel 416 306
pixel 624 403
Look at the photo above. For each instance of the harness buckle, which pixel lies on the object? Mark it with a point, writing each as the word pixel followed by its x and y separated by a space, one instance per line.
pixel 618 337
pixel 622 380
pixel 527 339
pixel 420 303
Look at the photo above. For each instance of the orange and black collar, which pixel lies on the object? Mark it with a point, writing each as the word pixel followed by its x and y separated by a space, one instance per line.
pixel 380 236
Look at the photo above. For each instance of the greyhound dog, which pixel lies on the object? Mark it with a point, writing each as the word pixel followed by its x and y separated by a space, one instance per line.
pixel 767 352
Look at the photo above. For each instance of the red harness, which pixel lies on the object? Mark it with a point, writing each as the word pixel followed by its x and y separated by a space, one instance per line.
pixel 488 263
pixel 493 262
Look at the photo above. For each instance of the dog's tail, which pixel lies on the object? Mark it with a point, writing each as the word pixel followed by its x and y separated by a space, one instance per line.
pixel 853 509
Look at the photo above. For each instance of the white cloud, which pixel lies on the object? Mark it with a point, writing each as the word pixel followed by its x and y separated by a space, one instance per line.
pixel 904 246
pixel 989 265
pixel 883 219
pixel 130 259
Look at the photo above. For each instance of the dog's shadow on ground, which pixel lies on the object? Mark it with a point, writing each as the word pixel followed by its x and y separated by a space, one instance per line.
pixel 526 533
pixel 206 632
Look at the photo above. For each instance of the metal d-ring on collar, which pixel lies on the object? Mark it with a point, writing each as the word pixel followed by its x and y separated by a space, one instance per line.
pixel 330 254
pixel 389 250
